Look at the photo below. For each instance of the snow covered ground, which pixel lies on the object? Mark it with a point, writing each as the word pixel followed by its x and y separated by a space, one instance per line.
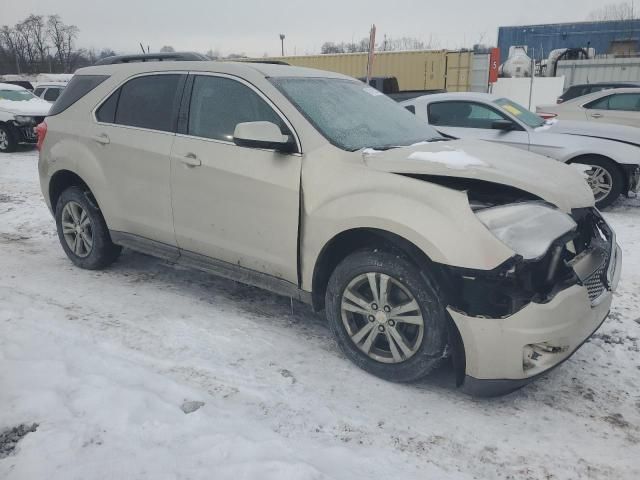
pixel 104 361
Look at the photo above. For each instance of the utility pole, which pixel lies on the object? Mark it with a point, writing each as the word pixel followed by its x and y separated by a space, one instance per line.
pixel 282 43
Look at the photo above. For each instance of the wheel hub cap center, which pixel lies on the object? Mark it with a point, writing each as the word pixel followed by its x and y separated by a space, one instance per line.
pixel 381 317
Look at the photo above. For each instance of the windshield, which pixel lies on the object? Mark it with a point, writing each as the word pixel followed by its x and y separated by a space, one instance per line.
pixel 352 115
pixel 521 113
pixel 16 95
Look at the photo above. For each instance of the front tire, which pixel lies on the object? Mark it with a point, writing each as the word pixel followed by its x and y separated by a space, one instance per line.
pixel 605 179
pixel 7 140
pixel 387 316
pixel 82 231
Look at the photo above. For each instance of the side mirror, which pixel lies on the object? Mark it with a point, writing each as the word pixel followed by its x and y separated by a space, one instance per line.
pixel 504 125
pixel 265 135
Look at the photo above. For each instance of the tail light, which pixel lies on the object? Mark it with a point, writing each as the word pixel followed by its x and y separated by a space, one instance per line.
pixel 548 116
pixel 41 132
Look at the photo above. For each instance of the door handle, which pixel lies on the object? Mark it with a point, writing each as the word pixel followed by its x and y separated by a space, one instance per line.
pixel 596 115
pixel 103 138
pixel 191 160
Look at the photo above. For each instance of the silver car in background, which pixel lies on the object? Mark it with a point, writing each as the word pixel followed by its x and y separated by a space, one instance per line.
pixel 611 152
pixel 620 106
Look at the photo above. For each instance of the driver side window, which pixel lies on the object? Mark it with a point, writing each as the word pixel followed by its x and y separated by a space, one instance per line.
pixel 463 114
pixel 218 104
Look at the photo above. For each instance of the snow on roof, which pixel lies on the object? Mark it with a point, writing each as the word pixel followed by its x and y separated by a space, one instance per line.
pixel 10 86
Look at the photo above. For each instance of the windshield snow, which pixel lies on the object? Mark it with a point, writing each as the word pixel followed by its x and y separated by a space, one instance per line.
pixel 16 95
pixel 352 115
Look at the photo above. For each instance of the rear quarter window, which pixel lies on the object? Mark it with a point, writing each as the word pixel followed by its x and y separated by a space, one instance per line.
pixel 77 88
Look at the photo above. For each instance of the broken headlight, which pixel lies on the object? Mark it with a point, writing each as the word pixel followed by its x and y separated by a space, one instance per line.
pixel 528 229
pixel 25 120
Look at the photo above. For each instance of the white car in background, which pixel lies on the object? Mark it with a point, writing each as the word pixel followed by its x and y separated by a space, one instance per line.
pixel 611 152
pixel 620 106
pixel 49 91
pixel 20 112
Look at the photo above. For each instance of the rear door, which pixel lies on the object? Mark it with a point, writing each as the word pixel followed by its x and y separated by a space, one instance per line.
pixel 231 203
pixel 132 141
pixel 619 108
pixel 469 119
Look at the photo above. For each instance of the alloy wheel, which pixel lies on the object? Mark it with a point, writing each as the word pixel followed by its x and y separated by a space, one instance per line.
pixel 600 181
pixel 382 317
pixel 77 229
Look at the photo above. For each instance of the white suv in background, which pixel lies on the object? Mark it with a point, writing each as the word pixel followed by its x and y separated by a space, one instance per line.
pixel 20 112
pixel 49 91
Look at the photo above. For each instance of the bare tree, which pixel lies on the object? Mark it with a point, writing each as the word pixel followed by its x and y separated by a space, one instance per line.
pixel 615 11
pixel 63 38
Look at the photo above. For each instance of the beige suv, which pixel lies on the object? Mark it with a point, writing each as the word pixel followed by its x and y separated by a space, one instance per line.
pixel 315 186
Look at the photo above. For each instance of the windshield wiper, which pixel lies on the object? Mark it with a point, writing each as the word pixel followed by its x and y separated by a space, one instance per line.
pixel 382 148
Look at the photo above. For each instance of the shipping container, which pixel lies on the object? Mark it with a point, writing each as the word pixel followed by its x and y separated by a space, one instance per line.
pixel 415 70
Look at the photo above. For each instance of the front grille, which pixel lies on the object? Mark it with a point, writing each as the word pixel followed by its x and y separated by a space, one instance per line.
pixel 28 134
pixel 596 283
pixel 593 232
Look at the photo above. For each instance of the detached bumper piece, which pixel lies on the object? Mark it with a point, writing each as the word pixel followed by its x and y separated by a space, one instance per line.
pixel 536 315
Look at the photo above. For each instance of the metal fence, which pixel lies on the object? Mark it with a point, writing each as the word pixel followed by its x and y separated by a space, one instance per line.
pixel 599 70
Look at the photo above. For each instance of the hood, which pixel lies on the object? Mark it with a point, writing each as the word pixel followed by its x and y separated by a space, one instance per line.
pixel 607 131
pixel 36 107
pixel 553 181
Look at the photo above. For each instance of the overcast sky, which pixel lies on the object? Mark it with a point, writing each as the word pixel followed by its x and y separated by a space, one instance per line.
pixel 252 26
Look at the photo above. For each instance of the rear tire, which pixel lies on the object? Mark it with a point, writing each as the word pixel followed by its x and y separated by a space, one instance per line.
pixel 7 139
pixel 398 333
pixel 605 179
pixel 82 231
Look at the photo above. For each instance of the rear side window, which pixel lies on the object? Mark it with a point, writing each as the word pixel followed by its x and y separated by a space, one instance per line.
pixel 38 91
pixel 219 104
pixel 411 108
pixel 146 102
pixel 627 102
pixel 77 88
pixel 107 111
pixel 52 94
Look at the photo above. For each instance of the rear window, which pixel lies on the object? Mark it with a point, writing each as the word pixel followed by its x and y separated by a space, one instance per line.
pixel 52 94
pixel 77 88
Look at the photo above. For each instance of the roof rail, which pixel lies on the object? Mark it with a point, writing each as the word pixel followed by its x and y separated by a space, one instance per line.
pixel 154 57
pixel 270 62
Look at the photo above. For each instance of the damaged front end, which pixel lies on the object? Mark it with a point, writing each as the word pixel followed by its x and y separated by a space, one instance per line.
pixel 581 256
pixel 556 253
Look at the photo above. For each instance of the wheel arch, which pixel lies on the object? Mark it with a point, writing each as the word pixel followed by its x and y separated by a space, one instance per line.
pixel 349 241
pixel 63 179
pixel 585 156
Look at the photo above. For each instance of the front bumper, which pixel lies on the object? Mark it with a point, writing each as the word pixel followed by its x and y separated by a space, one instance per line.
pixel 504 354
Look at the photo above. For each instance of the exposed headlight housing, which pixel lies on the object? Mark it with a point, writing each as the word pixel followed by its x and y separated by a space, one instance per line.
pixel 25 120
pixel 528 229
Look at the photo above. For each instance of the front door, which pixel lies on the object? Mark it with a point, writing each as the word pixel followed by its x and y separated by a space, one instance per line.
pixel 235 204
